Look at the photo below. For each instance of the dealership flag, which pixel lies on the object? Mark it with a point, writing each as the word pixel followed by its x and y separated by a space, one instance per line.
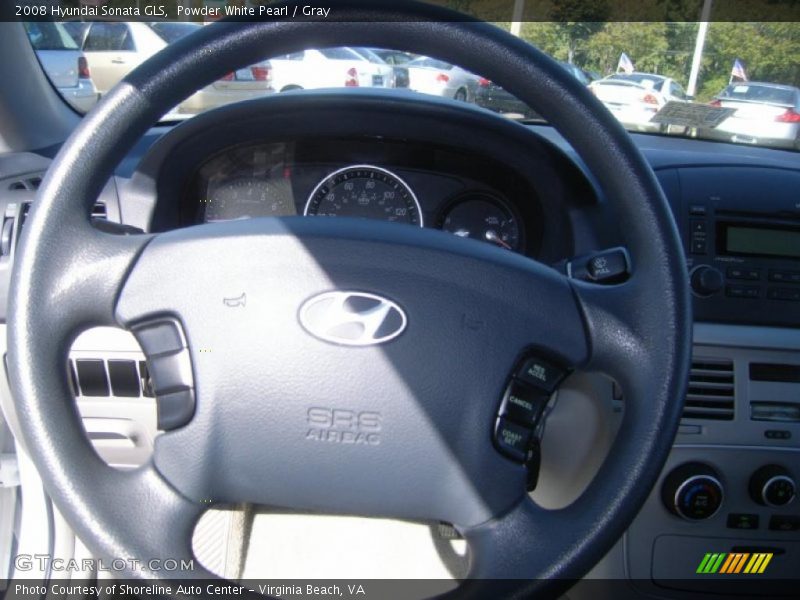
pixel 738 71
pixel 624 64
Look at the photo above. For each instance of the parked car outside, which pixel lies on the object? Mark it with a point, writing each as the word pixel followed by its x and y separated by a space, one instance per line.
pixel 113 49
pixel 385 69
pixel 490 95
pixel 315 68
pixel 64 63
pixel 767 114
pixel 399 61
pixel 635 98
pixel 439 78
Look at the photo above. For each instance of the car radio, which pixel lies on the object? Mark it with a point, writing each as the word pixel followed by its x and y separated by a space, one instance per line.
pixel 744 266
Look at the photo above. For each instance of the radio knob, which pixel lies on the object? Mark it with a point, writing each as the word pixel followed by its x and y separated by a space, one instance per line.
pixel 772 486
pixel 692 491
pixel 706 280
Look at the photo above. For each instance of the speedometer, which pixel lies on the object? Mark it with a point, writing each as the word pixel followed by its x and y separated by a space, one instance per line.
pixel 365 191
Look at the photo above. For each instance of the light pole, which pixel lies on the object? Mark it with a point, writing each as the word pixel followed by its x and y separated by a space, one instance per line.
pixel 516 17
pixel 698 47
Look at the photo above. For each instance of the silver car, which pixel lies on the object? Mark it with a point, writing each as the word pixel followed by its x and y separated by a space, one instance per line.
pixel 64 63
pixel 767 114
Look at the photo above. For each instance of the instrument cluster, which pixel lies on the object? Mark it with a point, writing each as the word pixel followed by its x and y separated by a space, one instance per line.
pixel 462 195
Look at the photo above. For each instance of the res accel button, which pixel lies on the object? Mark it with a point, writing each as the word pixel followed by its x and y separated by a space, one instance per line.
pixel 540 374
pixel 512 439
pixel 523 404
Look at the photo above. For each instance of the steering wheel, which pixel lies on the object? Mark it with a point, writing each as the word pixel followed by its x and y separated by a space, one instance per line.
pixel 242 384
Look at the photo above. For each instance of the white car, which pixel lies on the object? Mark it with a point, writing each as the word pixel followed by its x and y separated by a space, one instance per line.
pixel 439 78
pixel 327 68
pixel 64 63
pixel 635 98
pixel 766 114
pixel 113 49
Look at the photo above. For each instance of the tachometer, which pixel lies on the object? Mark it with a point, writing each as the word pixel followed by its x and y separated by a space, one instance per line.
pixel 367 192
pixel 247 197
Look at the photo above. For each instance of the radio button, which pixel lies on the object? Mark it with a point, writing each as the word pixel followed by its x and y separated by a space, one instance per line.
pixel 785 276
pixel 777 276
pixel 742 291
pixel 744 274
pixel 698 246
pixel 784 294
pixel 706 280
pixel 698 226
pixel 697 209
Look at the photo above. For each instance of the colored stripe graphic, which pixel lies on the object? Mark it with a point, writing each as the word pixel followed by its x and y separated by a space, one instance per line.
pixel 767 558
pixel 740 562
pixel 704 563
pixel 711 562
pixel 734 563
pixel 728 563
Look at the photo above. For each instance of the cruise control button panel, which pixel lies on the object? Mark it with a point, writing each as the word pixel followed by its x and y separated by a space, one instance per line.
pixel 520 417
pixel 170 367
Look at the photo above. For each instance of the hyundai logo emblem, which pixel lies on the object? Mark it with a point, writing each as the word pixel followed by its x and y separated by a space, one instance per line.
pixel 352 318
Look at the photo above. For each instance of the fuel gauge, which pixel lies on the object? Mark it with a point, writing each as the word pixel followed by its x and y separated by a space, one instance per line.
pixel 483 217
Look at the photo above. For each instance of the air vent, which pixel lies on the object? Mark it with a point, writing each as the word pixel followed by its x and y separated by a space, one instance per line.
pixel 96 377
pixel 711 390
pixel 99 211
pixel 31 183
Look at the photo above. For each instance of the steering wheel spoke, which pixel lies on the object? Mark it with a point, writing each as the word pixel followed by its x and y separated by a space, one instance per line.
pixel 624 337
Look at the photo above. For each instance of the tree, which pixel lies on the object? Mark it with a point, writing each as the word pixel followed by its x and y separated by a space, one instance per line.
pixel 576 21
pixel 645 43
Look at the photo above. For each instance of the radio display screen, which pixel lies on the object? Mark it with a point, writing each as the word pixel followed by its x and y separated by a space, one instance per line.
pixel 762 241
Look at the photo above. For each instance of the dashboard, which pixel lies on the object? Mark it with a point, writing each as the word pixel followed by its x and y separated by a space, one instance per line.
pixel 736 208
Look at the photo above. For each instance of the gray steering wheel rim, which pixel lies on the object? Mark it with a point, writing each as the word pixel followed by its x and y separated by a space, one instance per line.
pixel 75 478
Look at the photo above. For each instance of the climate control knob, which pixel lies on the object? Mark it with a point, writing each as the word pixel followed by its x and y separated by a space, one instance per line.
pixel 772 486
pixel 706 280
pixel 692 491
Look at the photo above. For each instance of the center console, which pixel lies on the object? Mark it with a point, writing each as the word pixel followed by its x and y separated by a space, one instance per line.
pixel 724 517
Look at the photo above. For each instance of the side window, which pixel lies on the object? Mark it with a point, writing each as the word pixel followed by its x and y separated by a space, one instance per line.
pixel 109 37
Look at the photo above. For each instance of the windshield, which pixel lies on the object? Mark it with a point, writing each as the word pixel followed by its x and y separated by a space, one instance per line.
pixel 689 79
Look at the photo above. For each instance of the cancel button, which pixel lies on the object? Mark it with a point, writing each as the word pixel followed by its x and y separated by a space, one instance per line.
pixel 523 404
